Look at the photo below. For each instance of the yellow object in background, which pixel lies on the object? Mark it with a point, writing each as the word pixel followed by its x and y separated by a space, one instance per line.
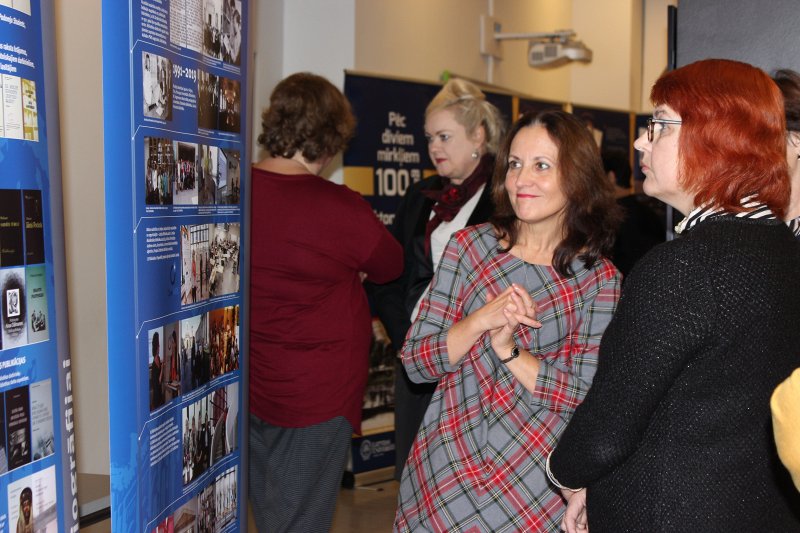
pixel 785 405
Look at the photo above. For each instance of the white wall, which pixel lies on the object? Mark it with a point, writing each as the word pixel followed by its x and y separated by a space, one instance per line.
pixel 78 52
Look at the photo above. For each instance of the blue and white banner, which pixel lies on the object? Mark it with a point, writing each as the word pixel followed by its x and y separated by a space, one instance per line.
pixel 38 478
pixel 176 169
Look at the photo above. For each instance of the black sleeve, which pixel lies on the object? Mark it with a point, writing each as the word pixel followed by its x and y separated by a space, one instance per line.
pixel 662 320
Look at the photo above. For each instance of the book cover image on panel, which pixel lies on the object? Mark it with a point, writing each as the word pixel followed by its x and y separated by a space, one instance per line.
pixel 13 305
pixel 18 418
pixel 32 502
pixel 42 436
pixel 36 290
pixel 34 227
pixel 11 253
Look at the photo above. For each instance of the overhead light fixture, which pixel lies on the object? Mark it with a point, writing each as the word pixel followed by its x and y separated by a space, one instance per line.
pixel 545 50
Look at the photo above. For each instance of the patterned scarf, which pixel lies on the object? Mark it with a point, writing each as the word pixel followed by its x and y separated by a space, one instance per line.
pixel 451 198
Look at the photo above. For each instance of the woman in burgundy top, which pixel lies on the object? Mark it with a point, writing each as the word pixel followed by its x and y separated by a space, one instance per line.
pixel 313 242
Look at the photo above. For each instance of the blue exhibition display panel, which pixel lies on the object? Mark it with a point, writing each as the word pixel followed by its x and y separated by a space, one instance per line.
pixel 176 163
pixel 37 444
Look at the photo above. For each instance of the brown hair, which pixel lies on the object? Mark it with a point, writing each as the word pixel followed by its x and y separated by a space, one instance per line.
pixel 788 82
pixel 591 216
pixel 306 113
pixel 732 140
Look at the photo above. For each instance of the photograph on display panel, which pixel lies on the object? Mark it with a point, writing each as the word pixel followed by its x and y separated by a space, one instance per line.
pixel 14 307
pixel 32 503
pixel 209 430
pixel 155 367
pixel 224 332
pixel 156 86
pixel 222 30
pixel 18 420
pixel 185 186
pixel 218 103
pixel 224 259
pixel 159 158
pixel 195 359
pixel 196 267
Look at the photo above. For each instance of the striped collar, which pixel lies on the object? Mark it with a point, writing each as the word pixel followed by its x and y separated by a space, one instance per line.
pixel 754 210
pixel 794 225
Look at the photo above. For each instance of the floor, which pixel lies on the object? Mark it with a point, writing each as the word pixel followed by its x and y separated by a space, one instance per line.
pixel 368 509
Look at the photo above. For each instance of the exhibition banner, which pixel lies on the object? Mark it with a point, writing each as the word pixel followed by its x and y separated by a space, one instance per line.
pixel 176 168
pixel 38 478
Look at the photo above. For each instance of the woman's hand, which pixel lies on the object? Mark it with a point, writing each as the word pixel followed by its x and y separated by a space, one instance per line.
pixel 519 308
pixel 500 315
pixel 575 518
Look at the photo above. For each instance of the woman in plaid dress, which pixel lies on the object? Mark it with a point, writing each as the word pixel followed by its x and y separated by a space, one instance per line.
pixel 510 330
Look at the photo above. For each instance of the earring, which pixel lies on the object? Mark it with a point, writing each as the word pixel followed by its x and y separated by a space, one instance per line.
pixel 476 155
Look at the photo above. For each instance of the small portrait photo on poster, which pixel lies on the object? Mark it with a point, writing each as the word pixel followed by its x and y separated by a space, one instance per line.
pixel 157 86
pixel 228 172
pixel 194 353
pixel 195 263
pixel 14 305
pixel 229 119
pixel 208 99
pixel 213 16
pixel 225 496
pixel 224 259
pixel 160 168
pixel 186 176
pixel 32 503
pixel 155 367
pixel 224 333
pixel 232 32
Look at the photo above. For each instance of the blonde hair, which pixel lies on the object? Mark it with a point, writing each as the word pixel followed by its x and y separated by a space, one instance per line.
pixel 471 110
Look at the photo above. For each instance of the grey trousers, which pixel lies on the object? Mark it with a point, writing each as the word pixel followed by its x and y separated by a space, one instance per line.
pixel 295 474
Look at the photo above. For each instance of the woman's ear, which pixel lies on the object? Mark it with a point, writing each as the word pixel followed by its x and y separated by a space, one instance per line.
pixel 794 139
pixel 479 135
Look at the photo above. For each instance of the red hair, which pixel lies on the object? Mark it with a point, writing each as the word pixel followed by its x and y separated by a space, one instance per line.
pixel 733 136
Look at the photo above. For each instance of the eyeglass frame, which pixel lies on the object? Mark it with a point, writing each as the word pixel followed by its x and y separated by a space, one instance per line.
pixel 651 121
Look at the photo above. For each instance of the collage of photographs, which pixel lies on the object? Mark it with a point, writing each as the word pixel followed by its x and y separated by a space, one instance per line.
pixel 218 99
pixel 188 173
pixel 210 27
pixel 23 281
pixel 211 511
pixel 184 173
pixel 186 354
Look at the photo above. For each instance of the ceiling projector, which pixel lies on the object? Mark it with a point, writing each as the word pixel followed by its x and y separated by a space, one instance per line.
pixel 556 53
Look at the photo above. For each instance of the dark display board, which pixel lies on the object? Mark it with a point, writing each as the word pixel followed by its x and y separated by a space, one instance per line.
pixel 176 169
pixel 38 487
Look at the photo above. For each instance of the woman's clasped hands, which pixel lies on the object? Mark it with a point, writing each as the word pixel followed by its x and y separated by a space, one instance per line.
pixel 505 312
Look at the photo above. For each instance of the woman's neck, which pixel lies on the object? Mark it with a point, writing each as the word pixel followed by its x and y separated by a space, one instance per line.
pixel 536 243
pixel 295 165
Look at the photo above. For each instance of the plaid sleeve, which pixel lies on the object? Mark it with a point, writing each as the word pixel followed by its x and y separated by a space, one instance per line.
pixel 563 381
pixel 424 353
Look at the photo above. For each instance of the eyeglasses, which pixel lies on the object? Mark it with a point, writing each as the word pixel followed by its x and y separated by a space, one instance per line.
pixel 651 122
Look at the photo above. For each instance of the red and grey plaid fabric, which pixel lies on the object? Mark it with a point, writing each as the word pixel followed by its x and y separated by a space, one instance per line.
pixel 478 462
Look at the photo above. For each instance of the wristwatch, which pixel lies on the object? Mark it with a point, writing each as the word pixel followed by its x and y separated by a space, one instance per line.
pixel 514 355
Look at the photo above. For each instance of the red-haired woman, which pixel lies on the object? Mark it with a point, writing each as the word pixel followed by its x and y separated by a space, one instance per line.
pixel 675 433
